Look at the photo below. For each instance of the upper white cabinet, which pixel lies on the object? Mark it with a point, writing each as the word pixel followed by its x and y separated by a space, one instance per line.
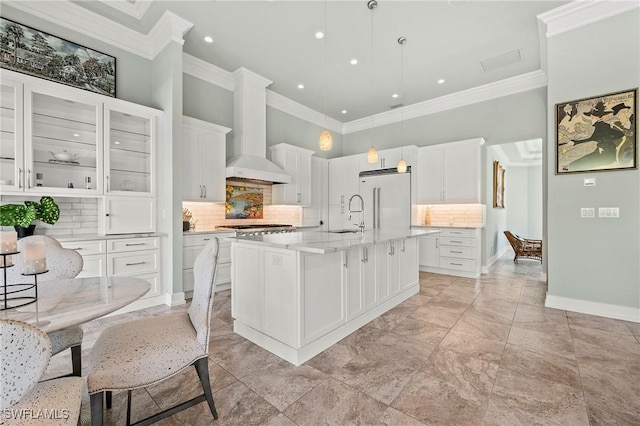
pixel 204 161
pixel 449 173
pixel 387 158
pixel 316 212
pixel 343 183
pixel 12 165
pixel 297 162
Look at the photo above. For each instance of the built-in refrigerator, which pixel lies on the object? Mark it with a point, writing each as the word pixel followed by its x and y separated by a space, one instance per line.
pixel 387 199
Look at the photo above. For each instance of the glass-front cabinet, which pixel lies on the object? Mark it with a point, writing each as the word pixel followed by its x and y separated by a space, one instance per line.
pixel 63 144
pixel 129 149
pixel 11 136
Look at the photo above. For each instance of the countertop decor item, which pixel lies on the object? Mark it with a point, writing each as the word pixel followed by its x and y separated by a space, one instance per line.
pixel 34 52
pixel 22 216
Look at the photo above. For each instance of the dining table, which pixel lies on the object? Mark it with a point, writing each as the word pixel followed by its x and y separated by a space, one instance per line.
pixel 66 303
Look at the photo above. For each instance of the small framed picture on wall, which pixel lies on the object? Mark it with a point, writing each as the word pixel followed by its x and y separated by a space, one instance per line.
pixel 498 185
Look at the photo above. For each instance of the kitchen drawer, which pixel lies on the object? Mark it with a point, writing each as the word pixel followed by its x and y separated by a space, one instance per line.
pixel 189 255
pixel 469 233
pixel 458 242
pixel 154 280
pixel 86 248
pixel 201 239
pixel 187 280
pixel 224 252
pixel 131 264
pixel 94 265
pixel 457 252
pixel 132 244
pixel 457 264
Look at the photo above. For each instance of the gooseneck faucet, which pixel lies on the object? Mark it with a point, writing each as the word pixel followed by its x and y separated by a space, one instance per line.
pixel 361 211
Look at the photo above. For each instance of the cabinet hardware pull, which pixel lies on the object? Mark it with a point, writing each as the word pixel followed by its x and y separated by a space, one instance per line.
pixel 134 244
pixel 205 191
pixel 135 263
pixel 19 178
pixel 107 214
pixel 436 243
pixel 404 249
pixel 206 239
pixel 346 261
pixel 107 179
pixel 29 179
pixel 458 252
pixel 457 264
pixel 457 242
pixel 77 248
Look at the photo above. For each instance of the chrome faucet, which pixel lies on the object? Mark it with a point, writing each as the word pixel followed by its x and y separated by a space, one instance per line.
pixel 361 211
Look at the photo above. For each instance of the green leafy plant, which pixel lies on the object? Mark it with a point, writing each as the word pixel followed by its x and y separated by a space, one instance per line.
pixel 25 214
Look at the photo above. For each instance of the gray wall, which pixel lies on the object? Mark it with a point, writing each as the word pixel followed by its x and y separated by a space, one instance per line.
pixel 517 200
pixel 512 118
pixel 132 72
pixel 534 190
pixel 593 259
pixel 496 219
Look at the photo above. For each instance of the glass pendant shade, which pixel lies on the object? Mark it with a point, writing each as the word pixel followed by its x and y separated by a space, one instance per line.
pixel 325 141
pixel 402 166
pixel 372 155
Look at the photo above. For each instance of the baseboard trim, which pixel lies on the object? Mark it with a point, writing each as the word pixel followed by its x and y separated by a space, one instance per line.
pixel 624 313
pixel 175 299
pixel 492 259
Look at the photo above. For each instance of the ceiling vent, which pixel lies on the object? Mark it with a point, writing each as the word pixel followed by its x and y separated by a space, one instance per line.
pixel 502 60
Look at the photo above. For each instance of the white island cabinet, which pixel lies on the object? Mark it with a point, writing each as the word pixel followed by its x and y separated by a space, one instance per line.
pixel 296 294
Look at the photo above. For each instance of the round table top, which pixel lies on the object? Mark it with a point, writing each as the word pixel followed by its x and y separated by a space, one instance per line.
pixel 66 303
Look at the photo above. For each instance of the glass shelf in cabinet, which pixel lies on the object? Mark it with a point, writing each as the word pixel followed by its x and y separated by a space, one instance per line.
pixel 53 120
pixel 63 143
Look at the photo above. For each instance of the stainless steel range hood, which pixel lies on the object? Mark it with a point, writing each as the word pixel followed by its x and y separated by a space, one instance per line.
pixel 250 131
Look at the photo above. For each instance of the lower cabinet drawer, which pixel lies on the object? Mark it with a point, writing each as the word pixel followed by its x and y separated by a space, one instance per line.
pixel 223 273
pixel 133 244
pixel 86 248
pixel 94 266
pixel 132 264
pixel 154 280
pixel 457 264
pixel 457 252
pixel 187 279
pixel 458 242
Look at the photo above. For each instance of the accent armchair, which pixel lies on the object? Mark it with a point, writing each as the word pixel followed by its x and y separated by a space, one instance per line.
pixel 524 247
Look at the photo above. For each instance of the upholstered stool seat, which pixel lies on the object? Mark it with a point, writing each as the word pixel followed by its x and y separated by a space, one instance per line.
pixel 63 339
pixel 154 350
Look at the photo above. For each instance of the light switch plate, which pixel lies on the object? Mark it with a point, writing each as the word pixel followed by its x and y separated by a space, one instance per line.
pixel 587 212
pixel 609 212
pixel 589 181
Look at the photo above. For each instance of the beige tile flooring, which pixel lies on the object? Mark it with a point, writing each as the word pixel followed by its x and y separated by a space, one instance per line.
pixel 462 352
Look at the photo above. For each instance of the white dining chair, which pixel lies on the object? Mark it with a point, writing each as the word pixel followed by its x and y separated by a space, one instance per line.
pixel 62 264
pixel 25 352
pixel 142 352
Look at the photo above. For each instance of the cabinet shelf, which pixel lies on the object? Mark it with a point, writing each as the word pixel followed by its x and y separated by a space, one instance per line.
pixel 125 150
pixel 137 172
pixel 66 141
pixel 129 132
pixel 68 121
pixel 64 165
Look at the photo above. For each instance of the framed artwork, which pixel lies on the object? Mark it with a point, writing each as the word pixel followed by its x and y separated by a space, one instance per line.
pixel 597 134
pixel 30 51
pixel 244 202
pixel 498 185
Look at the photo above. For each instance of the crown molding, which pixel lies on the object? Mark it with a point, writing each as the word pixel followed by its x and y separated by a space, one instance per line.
pixel 498 89
pixel 582 12
pixel 208 72
pixel 83 21
pixel 136 10
pixel 170 27
pixel 243 75
pixel 279 102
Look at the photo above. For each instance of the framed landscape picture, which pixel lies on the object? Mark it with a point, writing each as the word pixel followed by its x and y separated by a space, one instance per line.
pixel 30 51
pixel 597 134
pixel 498 185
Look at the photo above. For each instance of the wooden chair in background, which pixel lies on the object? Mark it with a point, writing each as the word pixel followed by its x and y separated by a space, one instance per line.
pixel 524 247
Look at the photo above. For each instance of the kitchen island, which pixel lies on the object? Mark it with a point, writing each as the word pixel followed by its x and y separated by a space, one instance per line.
pixel 296 294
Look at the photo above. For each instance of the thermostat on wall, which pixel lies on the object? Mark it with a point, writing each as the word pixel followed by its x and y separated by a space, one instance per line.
pixel 590 181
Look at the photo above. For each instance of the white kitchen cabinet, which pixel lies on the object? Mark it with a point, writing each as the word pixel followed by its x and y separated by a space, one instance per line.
pixel 94 256
pixel 12 167
pixel 408 271
pixel 297 162
pixel 360 279
pixel 449 173
pixel 204 160
pixel 429 251
pixel 387 158
pixel 126 215
pixel 454 251
pixel 192 246
pixel 343 183
pixel 316 213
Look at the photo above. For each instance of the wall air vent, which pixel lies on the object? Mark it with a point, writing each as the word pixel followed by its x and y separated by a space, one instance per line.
pixel 502 60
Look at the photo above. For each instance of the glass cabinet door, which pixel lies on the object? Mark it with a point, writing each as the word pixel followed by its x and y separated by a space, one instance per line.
pixel 63 143
pixel 129 155
pixel 11 137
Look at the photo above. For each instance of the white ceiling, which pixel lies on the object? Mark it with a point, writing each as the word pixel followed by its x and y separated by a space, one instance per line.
pixel 446 39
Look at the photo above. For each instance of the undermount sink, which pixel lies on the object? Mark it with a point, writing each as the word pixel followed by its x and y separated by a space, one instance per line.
pixel 344 231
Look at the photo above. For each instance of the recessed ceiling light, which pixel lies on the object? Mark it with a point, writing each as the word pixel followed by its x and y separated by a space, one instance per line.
pixel 395 95
pixel 208 39
pixel 319 35
pixel 344 111
pixel 77 135
pixel 300 86
pixel 354 61
pixel 441 81
pixel 116 142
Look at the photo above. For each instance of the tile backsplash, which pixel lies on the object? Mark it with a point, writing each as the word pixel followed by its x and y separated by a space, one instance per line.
pixel 472 215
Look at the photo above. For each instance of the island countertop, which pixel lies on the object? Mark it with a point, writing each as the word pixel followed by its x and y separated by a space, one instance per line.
pixel 327 242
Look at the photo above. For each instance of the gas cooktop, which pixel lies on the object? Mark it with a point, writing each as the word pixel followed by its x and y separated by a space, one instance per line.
pixel 255 226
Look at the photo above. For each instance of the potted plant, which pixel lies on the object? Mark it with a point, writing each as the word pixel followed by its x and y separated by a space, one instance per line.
pixel 22 216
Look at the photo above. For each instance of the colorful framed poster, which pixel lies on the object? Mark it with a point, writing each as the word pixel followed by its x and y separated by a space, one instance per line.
pixel 597 134
pixel 34 52
pixel 244 202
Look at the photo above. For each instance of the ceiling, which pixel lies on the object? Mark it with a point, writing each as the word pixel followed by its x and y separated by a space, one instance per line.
pixel 446 39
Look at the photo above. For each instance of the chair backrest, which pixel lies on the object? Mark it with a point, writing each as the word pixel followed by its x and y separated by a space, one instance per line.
pixel 513 239
pixel 25 352
pixel 204 273
pixel 62 263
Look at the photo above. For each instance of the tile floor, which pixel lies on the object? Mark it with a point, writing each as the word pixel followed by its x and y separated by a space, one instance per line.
pixel 462 352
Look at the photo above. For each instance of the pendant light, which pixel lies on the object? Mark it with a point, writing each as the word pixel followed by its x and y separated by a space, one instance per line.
pixel 372 155
pixel 325 141
pixel 402 165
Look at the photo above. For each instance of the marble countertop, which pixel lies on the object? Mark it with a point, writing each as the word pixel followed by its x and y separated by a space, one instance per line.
pixel 90 237
pixel 446 226
pixel 326 242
